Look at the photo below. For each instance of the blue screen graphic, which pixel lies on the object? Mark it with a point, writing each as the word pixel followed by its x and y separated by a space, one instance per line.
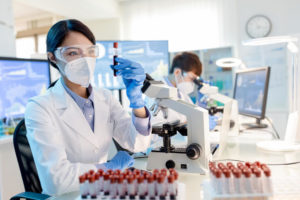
pixel 249 91
pixel 19 81
pixel 152 55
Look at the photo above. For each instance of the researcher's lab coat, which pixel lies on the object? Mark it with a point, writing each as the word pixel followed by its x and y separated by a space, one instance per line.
pixel 63 144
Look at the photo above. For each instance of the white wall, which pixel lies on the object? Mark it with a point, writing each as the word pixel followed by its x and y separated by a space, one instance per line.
pixel 7 37
pixel 105 29
pixel 189 24
pixel 284 15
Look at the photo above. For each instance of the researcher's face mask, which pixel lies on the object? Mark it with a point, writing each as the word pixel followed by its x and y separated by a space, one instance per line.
pixel 184 82
pixel 186 87
pixel 80 71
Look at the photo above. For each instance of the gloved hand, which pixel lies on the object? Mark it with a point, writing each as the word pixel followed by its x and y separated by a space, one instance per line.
pixel 133 75
pixel 121 160
pixel 212 122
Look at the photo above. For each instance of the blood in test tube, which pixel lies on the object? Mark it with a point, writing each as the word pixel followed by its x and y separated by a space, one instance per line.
pixel 101 180
pixel 113 186
pixel 136 172
pixel 267 182
pixel 218 182
pixel 91 172
pixel 97 180
pixel 240 165
pixel 257 163
pixel 247 181
pixel 257 180
pixel 109 171
pixel 248 164
pixel 237 173
pixel 155 171
pixel 160 189
pixel 106 183
pixel 92 187
pixel 82 187
pixel 121 188
pixel 141 187
pixel 228 182
pixel 221 166
pixel 151 186
pixel 115 55
pixel 130 186
pixel 117 172
pixel 171 187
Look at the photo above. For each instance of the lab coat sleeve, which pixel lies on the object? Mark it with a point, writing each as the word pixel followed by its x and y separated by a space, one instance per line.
pixel 124 131
pixel 57 175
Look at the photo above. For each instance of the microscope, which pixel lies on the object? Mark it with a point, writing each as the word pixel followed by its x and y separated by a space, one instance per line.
pixel 229 109
pixel 195 156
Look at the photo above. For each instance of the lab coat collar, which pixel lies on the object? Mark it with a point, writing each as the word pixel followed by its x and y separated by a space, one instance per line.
pixel 68 106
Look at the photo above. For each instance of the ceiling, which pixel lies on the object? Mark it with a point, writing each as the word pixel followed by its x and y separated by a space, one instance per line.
pixel 83 10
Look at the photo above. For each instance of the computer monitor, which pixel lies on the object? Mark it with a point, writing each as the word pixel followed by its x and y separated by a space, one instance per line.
pixel 153 55
pixel 20 79
pixel 251 92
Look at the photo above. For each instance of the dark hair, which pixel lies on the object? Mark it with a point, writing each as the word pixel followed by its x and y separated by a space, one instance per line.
pixel 60 30
pixel 187 61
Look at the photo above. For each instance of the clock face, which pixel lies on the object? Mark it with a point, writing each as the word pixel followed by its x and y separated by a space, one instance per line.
pixel 258 26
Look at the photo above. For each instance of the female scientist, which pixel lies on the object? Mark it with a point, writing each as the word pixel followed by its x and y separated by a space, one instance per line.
pixel 71 126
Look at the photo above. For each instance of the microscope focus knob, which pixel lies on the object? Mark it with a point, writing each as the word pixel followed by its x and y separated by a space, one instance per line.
pixel 193 151
pixel 170 164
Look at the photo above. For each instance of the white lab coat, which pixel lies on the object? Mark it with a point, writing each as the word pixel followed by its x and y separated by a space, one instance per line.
pixel 63 144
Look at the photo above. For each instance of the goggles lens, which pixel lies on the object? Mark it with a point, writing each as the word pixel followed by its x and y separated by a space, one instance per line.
pixel 70 53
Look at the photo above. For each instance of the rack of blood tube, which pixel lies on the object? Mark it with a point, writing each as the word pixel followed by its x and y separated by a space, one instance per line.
pixel 238 181
pixel 130 184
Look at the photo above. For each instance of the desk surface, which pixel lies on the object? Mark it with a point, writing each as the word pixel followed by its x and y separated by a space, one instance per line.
pixel 242 147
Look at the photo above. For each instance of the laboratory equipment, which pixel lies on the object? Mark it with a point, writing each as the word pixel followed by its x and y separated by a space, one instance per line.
pixel 131 184
pixel 251 92
pixel 194 157
pixel 229 108
pixel 115 55
pixel 152 55
pixel 240 181
pixel 20 80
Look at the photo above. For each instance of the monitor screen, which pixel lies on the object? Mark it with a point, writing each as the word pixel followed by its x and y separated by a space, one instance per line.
pixel 251 91
pixel 21 79
pixel 152 55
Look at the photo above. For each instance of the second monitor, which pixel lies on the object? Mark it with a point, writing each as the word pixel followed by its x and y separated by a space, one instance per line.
pixel 251 92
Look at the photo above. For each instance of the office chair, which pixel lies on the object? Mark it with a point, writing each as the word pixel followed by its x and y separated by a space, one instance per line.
pixel 27 167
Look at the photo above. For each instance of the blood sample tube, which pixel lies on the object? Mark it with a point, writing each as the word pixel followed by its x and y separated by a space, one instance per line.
pixel 161 189
pixel 92 187
pixel 171 187
pixel 121 187
pixel 248 164
pixel 117 172
pixel 130 186
pixel 257 182
pixel 136 172
pixel 115 55
pixel 141 187
pixel 101 180
pixel 228 182
pixel 97 177
pixel 218 181
pixel 109 171
pixel 106 183
pixel 221 166
pixel 151 186
pixel 155 171
pixel 237 173
pixel 267 182
pixel 113 186
pixel 91 172
pixel 82 187
pixel 247 181
pixel 240 165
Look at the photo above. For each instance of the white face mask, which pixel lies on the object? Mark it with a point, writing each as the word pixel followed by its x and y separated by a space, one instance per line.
pixel 80 71
pixel 186 87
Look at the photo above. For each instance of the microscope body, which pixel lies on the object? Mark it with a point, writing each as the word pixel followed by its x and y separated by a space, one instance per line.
pixel 195 157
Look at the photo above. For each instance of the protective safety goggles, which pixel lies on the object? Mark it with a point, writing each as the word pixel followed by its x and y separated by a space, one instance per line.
pixel 70 53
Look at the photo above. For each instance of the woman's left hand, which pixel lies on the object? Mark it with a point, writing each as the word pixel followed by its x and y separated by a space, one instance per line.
pixel 133 75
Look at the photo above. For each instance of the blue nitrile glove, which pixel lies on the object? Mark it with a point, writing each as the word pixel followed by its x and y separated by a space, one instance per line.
pixel 133 75
pixel 212 122
pixel 121 160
